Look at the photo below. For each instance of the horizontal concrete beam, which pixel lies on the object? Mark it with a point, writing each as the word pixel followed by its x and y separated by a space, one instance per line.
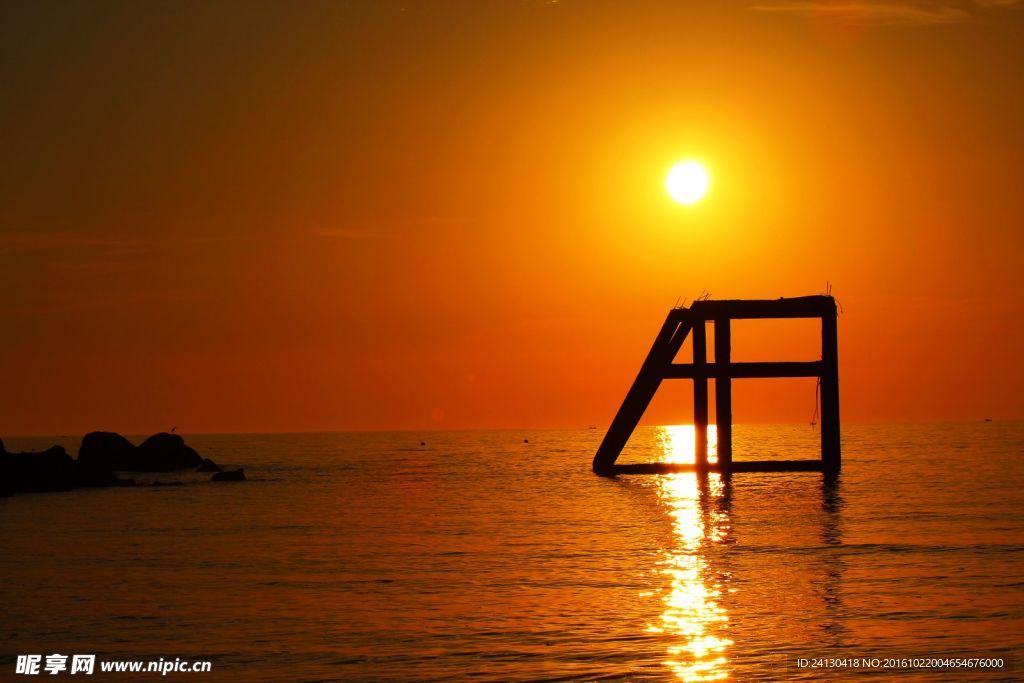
pixel 796 307
pixel 745 370
pixel 737 466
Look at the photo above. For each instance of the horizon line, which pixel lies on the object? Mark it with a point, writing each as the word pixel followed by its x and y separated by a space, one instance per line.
pixel 507 429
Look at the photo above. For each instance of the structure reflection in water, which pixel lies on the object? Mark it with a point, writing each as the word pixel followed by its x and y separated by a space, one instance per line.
pixel 693 615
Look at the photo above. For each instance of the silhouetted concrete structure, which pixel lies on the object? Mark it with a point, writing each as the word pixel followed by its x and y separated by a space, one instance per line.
pixel 659 365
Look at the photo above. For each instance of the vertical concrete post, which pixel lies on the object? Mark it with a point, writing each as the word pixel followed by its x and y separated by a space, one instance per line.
pixel 831 458
pixel 723 391
pixel 700 393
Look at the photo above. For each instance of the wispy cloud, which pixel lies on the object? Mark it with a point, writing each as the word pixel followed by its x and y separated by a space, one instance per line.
pixel 884 12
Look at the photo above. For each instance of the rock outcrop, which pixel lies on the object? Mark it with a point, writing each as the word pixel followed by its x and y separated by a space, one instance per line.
pixel 106 450
pixel 208 466
pixel 165 453
pixel 99 457
pixel 231 475
pixel 159 453
pixel 51 470
pixel 5 479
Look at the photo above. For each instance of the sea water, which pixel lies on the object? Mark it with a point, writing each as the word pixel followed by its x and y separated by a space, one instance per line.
pixel 499 556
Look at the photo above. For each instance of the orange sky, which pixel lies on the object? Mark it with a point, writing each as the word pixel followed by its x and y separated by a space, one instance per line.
pixel 410 215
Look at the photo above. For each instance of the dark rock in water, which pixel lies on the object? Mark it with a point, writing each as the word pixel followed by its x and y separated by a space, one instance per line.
pixel 167 452
pixel 106 450
pixel 6 488
pixel 232 475
pixel 94 475
pixel 50 470
pixel 102 453
pixel 208 466
pixel 159 453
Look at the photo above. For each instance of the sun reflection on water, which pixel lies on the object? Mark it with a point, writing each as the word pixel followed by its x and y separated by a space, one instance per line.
pixel 678 445
pixel 693 615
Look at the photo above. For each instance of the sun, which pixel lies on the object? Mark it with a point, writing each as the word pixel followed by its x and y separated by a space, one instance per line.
pixel 687 182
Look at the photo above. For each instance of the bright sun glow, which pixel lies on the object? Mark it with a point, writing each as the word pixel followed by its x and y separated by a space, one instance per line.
pixel 687 182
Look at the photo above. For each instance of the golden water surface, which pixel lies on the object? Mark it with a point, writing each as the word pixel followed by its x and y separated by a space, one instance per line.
pixel 497 556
